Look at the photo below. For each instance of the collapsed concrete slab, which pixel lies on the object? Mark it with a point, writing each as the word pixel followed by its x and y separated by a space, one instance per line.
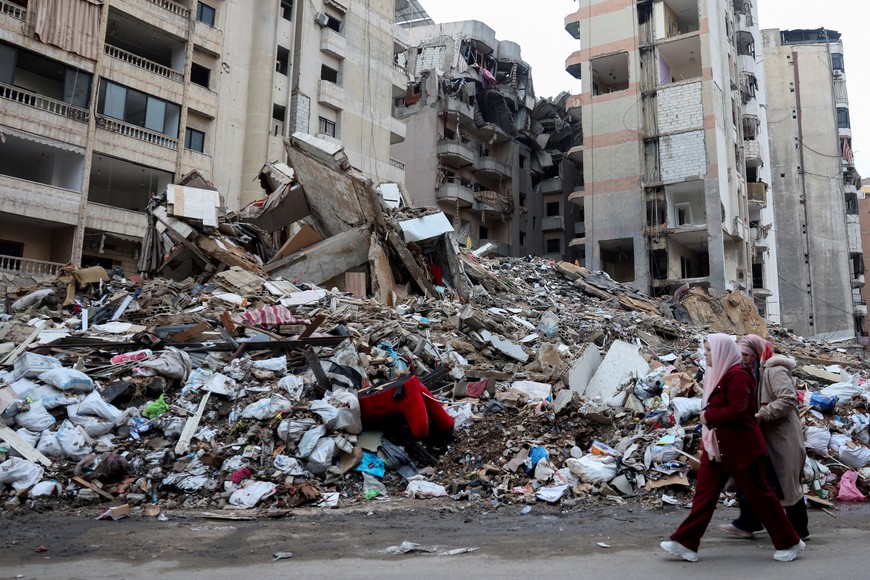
pixel 583 369
pixel 622 363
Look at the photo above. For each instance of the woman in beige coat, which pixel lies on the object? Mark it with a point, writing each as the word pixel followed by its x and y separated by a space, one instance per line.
pixel 780 423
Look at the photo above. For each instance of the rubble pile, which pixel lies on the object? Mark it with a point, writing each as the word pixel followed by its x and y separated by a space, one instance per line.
pixel 256 377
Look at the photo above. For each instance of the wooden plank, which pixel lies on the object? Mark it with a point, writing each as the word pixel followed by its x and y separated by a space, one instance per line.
pixel 315 324
pixel 192 332
pixel 191 425
pixel 355 283
pixel 21 446
pixel 93 488
pixel 323 381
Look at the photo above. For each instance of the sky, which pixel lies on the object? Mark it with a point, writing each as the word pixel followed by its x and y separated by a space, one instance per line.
pixel 540 32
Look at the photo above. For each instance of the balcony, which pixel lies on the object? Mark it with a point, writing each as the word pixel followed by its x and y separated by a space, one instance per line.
pixel 28 266
pixel 208 38
pixel 455 193
pixel 173 7
pixel 577 195
pixel 577 242
pixel 331 95
pixel 39 201
pixel 488 167
pixel 464 110
pixel 752 153
pixel 116 220
pixel 13 10
pixel 144 63
pixel 400 81
pixel 580 228
pixel 553 223
pixel 455 153
pixel 853 233
pixel 574 64
pixel 398 130
pixel 572 25
pixel 760 239
pixel 857 280
pixel 38 101
pixel 202 100
pixel 136 132
pixel 860 308
pixel 757 193
pixel 551 185
pixel 333 43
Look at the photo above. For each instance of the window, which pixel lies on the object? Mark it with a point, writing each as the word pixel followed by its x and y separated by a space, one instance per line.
pixel 843 121
pixel 758 275
pixel 522 162
pixel 609 73
pixel 837 62
pixel 522 238
pixel 279 115
pixel 14 249
pixel 287 9
pixel 482 233
pixel 685 267
pixel 139 109
pixel 745 43
pixel 194 140
pixel 326 126
pixel 552 208
pixel 205 13
pixel 282 63
pixel 328 74
pixel 333 23
pixel 522 200
pixel 199 75
pixel 554 246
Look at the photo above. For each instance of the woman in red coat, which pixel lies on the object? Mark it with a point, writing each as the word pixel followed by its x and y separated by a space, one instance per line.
pixel 733 446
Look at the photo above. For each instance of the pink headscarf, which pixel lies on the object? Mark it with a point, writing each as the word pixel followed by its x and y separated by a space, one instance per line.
pixel 762 349
pixel 725 355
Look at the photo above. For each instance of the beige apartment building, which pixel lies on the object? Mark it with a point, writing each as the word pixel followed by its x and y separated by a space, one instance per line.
pixel 105 102
pixel 818 188
pixel 676 169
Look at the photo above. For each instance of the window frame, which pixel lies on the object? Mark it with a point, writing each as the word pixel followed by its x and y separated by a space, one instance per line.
pixel 200 13
pixel 190 132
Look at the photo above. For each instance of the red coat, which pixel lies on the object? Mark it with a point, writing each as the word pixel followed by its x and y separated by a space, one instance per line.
pixel 731 410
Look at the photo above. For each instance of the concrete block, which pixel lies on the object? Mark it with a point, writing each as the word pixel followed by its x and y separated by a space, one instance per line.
pixel 583 368
pixel 622 363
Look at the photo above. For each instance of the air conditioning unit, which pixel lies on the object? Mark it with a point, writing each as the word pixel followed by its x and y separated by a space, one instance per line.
pixel 321 19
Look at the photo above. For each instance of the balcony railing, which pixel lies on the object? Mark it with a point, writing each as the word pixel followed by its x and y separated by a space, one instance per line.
pixel 28 266
pixel 143 63
pixel 13 10
pixel 397 164
pixel 172 7
pixel 38 101
pixel 137 132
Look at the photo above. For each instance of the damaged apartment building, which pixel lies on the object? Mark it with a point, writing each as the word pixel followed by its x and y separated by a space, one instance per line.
pixel 675 159
pixel 816 183
pixel 480 146
pixel 106 102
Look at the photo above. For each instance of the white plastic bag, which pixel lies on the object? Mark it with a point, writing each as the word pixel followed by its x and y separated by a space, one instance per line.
pixel 252 494
pixel 20 473
pixel 267 408
pixel 855 457
pixel 817 439
pixel 327 413
pixel 422 488
pixel 593 468
pixel 93 426
pixel 96 406
pixel 321 456
pixel 31 299
pixel 276 365
pixel 52 398
pixel 44 489
pixel 347 404
pixel 288 465
pixel 461 415
pixel 685 408
pixel 68 380
pixel 292 430
pixel 37 419
pixel 48 444
pixel 73 441
pixel 310 439
pixel 29 436
pixel 293 385
pixel 172 364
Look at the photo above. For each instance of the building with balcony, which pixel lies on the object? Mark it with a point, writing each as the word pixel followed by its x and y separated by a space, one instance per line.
pixel 672 110
pixel 478 144
pixel 818 190
pixel 106 102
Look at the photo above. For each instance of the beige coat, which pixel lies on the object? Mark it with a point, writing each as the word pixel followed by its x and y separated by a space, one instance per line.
pixel 780 423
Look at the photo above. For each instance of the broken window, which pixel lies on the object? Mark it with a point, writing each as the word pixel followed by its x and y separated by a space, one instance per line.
pixel 758 275
pixel 609 73
pixel 205 13
pixel 745 43
pixel 279 116
pixel 194 140
pixel 658 264
pixel 328 74
pixel 683 213
pixel 287 9
pixel 837 62
pixel 522 238
pixel 482 233
pixel 553 208
pixel 857 262
pixel 326 126
pixel 617 259
pixel 199 75
pixel 554 246
pixel 677 17
pixel 282 61
pixel 685 267
pixel 333 23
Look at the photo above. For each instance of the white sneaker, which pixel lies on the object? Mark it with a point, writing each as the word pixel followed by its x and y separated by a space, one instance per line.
pixel 680 551
pixel 790 554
